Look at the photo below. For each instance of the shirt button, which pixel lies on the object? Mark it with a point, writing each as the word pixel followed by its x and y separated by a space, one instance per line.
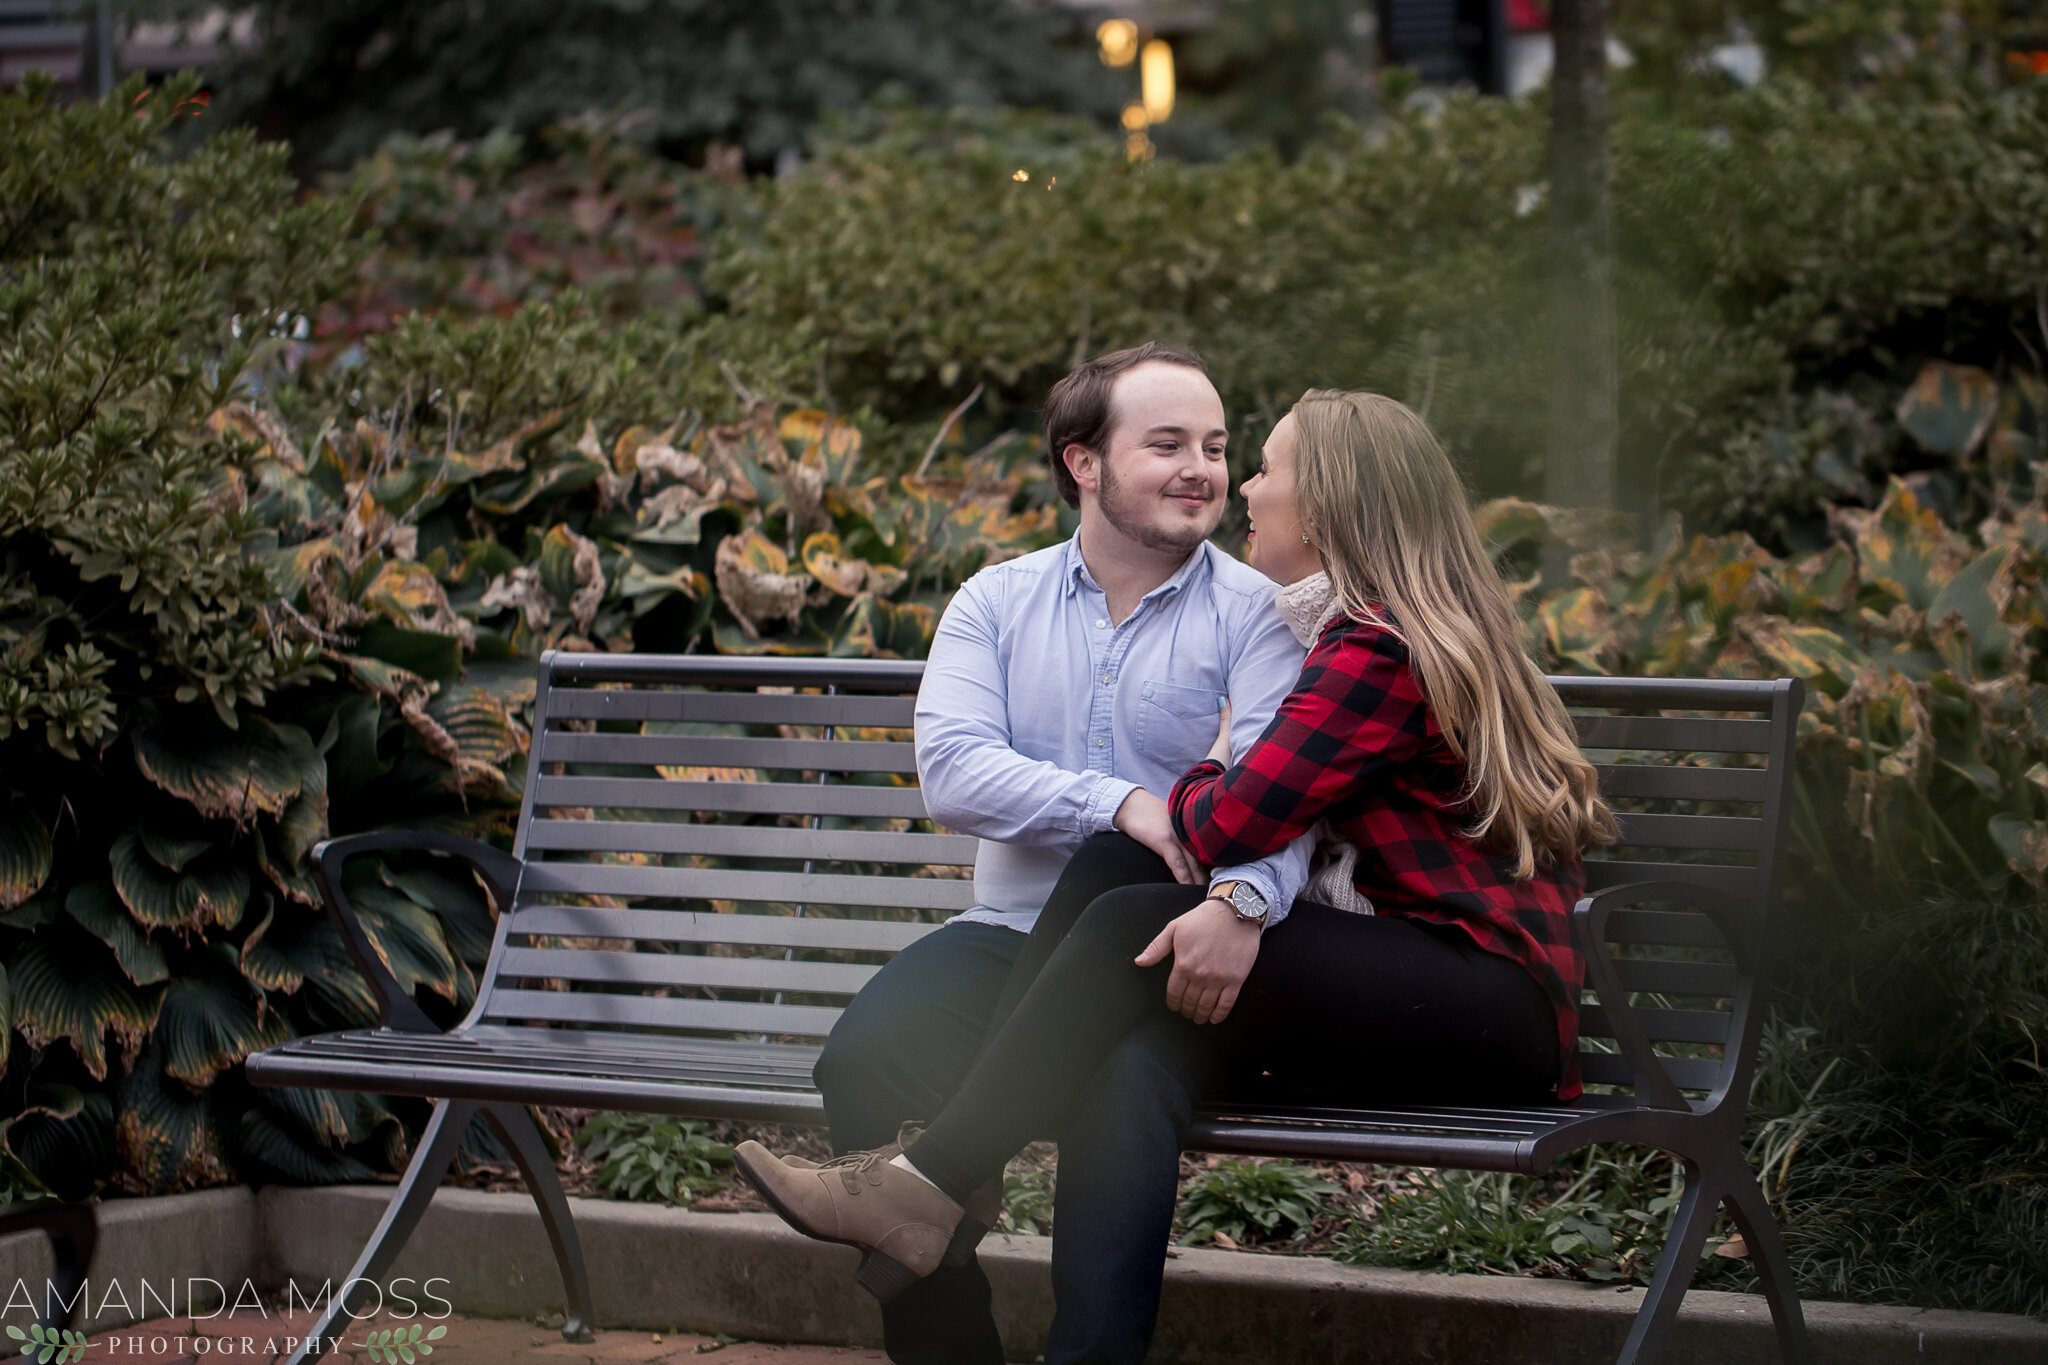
pixel 1101 623
pixel 1101 743
pixel 1108 678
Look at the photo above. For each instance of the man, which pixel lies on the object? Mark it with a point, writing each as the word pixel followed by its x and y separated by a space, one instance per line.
pixel 1065 692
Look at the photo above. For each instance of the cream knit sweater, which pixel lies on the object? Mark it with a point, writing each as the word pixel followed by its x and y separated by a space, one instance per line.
pixel 1307 606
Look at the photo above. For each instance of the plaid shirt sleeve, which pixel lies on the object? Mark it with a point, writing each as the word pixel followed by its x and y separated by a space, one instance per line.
pixel 1355 716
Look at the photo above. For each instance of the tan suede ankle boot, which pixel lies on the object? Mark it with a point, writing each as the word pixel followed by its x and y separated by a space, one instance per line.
pixel 901 1222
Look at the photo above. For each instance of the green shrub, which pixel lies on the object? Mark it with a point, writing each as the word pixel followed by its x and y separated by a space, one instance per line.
pixel 1027 1203
pixel 255 590
pixel 1252 1201
pixel 652 1156
pixel 1598 1217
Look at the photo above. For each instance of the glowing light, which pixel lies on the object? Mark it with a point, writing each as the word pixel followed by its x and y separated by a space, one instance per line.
pixel 1135 118
pixel 1020 175
pixel 1119 41
pixel 1156 79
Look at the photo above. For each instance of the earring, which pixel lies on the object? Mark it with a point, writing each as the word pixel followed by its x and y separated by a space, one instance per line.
pixel 1304 537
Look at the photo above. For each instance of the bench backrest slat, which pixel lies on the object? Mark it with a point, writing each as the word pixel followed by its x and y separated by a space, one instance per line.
pixel 686 926
pixel 795 755
pixel 763 841
pixel 729 846
pixel 756 798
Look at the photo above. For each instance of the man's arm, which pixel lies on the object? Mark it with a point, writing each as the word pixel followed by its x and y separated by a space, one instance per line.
pixel 973 780
pixel 1265 666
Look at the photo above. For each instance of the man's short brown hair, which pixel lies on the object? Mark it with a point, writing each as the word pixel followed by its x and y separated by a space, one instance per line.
pixel 1078 410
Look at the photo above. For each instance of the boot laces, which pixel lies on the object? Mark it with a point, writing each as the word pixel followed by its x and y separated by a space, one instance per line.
pixel 855 1166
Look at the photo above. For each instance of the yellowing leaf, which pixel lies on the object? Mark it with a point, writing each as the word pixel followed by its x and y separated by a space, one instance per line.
pixel 822 558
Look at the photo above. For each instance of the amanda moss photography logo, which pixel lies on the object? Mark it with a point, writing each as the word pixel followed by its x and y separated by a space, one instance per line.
pixel 415 1306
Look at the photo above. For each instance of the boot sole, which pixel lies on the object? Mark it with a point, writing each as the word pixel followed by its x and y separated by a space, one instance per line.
pixel 882 1276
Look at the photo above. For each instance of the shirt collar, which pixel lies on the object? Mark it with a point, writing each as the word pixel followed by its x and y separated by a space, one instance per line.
pixel 1076 575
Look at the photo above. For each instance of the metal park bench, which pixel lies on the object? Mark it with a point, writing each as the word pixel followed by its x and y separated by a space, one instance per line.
pixel 716 853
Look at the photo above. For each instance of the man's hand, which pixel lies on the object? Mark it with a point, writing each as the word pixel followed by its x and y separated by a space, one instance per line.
pixel 1213 951
pixel 1144 817
pixel 1220 750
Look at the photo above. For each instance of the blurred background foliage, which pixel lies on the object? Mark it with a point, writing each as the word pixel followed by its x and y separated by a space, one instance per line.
pixel 296 482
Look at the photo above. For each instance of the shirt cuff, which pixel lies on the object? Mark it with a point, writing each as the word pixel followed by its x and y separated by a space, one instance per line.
pixel 1099 815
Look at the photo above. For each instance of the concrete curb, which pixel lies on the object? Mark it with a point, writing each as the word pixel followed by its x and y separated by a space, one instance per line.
pixel 662 1269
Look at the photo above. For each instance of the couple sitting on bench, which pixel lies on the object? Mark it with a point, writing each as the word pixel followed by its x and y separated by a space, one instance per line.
pixel 1360 895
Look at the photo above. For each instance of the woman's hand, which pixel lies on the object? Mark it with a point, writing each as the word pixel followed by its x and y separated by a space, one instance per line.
pixel 1220 751
pixel 1213 951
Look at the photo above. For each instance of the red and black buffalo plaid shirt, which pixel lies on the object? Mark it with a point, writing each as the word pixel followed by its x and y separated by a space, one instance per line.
pixel 1355 743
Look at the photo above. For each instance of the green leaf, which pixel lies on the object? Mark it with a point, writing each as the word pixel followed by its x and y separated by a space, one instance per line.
pixel 25 853
pixel 166 1133
pixel 96 907
pixel 212 1018
pixel 263 1139
pixel 424 652
pixel 66 985
pixel 407 937
pixel 211 891
pixel 225 774
pixel 169 851
pixel 304 822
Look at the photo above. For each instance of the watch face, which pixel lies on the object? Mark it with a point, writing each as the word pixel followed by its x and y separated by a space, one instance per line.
pixel 1250 904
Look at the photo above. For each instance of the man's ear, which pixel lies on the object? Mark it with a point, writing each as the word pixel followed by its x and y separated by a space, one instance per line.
pixel 1085 465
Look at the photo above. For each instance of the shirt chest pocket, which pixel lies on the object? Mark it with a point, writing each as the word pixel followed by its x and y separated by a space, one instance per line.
pixel 1176 725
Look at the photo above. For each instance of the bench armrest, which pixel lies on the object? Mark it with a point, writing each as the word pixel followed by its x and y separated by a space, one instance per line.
pixel 1737 924
pixel 396 1007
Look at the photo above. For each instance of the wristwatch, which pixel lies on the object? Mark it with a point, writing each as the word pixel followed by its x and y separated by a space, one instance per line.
pixel 1244 898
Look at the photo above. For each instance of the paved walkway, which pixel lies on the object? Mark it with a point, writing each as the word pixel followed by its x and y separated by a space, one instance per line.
pixel 249 1336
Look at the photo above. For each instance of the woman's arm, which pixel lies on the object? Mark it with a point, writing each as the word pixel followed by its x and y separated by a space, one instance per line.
pixel 1355 715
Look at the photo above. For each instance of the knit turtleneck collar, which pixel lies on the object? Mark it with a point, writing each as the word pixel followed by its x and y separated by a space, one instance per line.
pixel 1308 605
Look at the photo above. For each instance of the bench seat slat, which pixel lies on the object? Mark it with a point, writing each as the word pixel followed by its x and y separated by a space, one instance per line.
pixel 514 1057
pixel 1407 1147
pixel 697 926
pixel 747 708
pixel 730 751
pixel 744 798
pixel 1658 781
pixel 1676 734
pixel 758 841
pixel 597 1007
pixel 686 969
pixel 737 884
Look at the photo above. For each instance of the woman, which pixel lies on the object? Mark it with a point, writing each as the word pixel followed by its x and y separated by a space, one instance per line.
pixel 1420 735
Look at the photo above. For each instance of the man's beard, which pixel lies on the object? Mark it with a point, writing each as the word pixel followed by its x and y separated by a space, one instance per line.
pixel 1120 511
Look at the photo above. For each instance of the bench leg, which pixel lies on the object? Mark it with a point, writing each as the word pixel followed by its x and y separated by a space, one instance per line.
pixel 1759 1229
pixel 438 1143
pixel 1696 1210
pixel 516 1126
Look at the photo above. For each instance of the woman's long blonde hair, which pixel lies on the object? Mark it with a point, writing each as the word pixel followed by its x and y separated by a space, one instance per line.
pixel 1387 512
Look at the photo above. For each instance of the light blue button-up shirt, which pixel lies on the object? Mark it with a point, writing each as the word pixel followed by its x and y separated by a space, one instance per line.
pixel 1038 715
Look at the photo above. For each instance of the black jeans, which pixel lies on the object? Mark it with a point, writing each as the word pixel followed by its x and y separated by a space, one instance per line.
pixel 1358 1009
pixel 1339 1008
